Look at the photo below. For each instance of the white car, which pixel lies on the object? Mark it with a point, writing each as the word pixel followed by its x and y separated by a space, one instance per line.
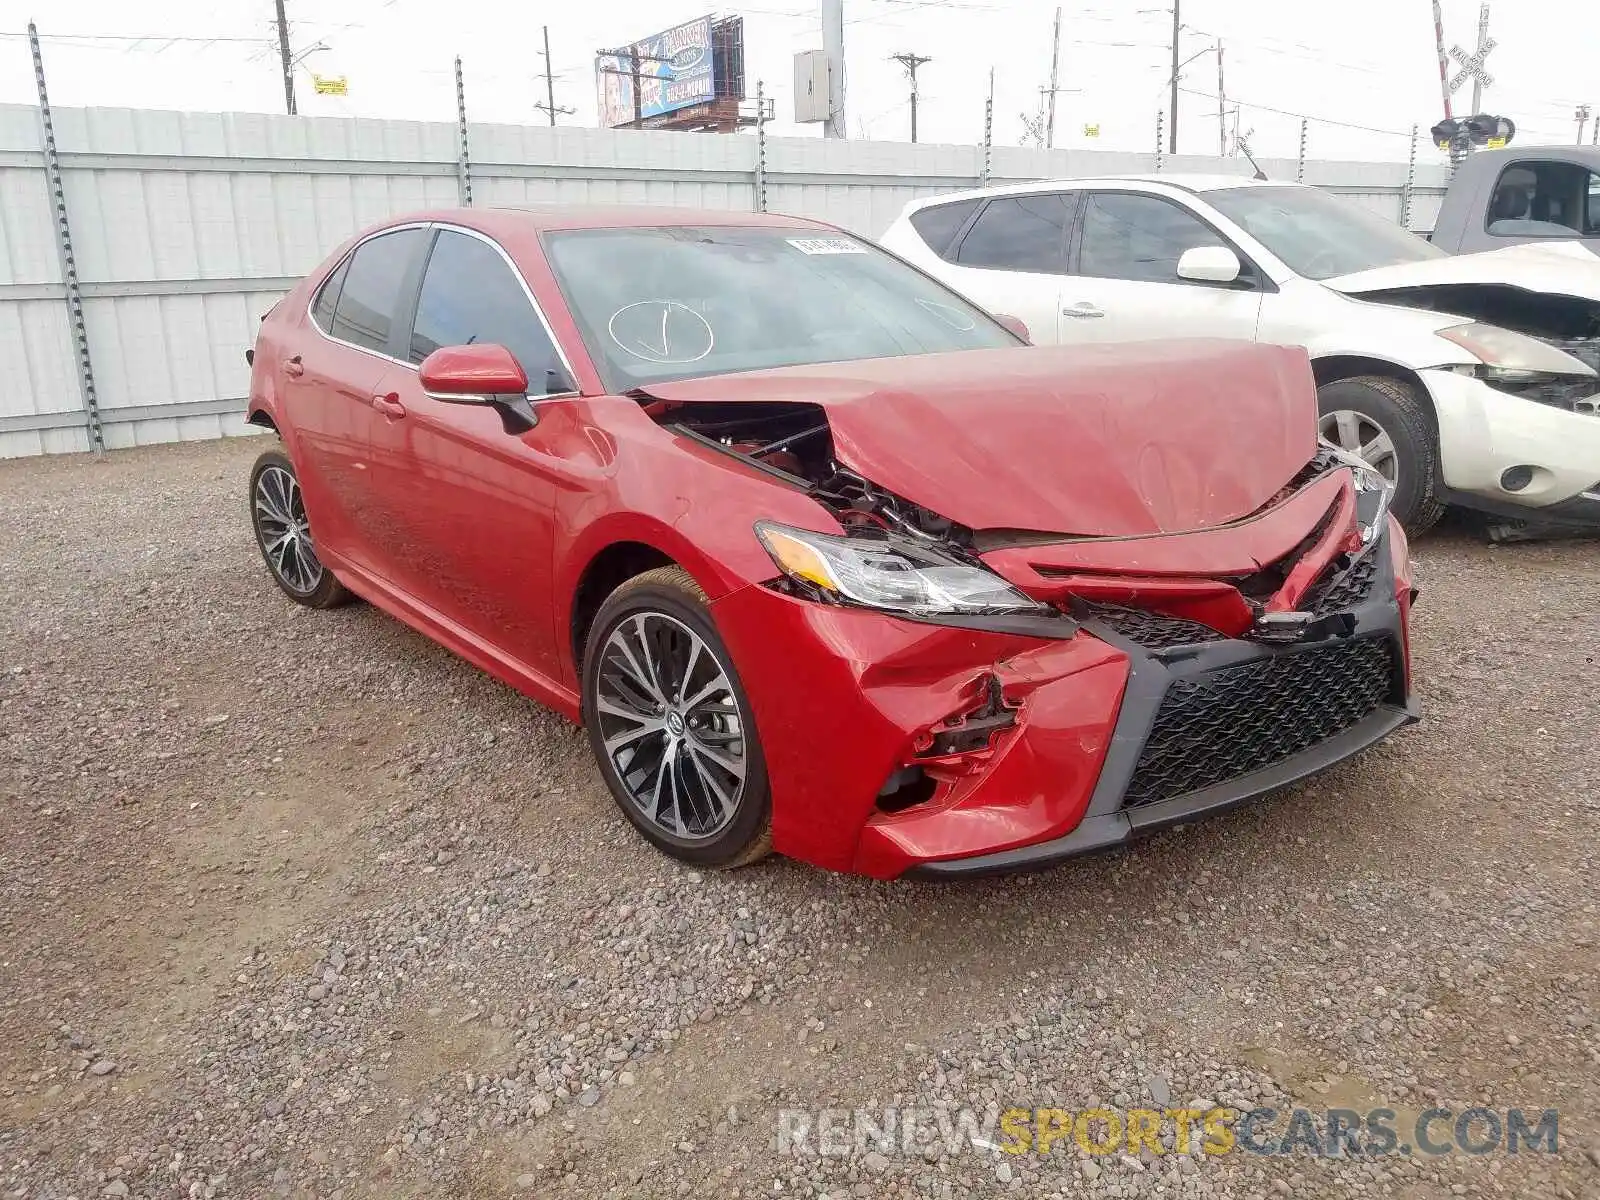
pixel 1467 379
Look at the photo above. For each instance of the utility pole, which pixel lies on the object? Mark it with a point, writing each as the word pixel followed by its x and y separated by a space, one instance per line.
pixel 833 48
pixel 635 74
pixel 911 62
pixel 1583 119
pixel 288 59
pixel 1172 103
pixel 1222 106
pixel 1055 64
pixel 549 105
pixel 638 92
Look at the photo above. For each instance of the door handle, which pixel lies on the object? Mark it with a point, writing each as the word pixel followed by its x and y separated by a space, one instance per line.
pixel 389 406
pixel 293 368
pixel 1082 309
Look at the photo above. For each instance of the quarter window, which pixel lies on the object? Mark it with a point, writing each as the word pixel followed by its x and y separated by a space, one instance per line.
pixel 328 295
pixel 1019 233
pixel 370 301
pixel 470 295
pixel 1127 236
pixel 938 224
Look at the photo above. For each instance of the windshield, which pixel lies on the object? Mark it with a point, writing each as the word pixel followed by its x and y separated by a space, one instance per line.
pixel 1317 234
pixel 679 302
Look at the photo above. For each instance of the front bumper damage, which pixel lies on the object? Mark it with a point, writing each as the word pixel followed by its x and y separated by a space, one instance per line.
pixel 1030 751
pixel 1485 433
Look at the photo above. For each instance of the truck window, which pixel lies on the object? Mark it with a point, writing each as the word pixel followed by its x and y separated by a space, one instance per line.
pixel 1544 199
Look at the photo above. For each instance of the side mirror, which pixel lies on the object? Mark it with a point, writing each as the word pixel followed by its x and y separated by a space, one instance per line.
pixel 1016 325
pixel 1209 264
pixel 472 374
pixel 480 374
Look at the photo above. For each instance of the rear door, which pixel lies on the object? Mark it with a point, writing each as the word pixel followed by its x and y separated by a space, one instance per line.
pixel 328 384
pixel 465 509
pixel 1010 256
pixel 1123 282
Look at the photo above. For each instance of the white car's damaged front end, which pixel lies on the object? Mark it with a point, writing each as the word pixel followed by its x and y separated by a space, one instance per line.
pixel 1517 389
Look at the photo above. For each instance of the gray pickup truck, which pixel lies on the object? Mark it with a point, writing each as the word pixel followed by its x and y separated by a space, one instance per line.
pixel 1522 194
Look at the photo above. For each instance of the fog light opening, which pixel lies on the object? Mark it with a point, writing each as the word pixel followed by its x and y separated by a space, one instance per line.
pixel 906 788
pixel 1514 479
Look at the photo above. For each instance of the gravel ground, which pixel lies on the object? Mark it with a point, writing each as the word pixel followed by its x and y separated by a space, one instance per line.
pixel 296 903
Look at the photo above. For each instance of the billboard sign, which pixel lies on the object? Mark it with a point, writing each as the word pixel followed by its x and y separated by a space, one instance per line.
pixel 675 72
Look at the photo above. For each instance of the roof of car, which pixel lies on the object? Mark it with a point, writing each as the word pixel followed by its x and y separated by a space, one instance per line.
pixel 537 218
pixel 1183 182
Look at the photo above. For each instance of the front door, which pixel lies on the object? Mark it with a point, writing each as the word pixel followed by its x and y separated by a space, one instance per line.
pixel 466 507
pixel 1123 282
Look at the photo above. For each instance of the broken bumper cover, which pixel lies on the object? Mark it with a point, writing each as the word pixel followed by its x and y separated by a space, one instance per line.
pixel 1103 831
pixel 1483 433
pixel 1112 737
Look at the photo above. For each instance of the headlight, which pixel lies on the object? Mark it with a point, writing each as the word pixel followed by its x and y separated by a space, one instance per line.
pixel 1510 356
pixel 890 573
pixel 1373 491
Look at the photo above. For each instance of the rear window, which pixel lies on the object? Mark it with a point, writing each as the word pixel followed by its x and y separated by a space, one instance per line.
pixel 939 224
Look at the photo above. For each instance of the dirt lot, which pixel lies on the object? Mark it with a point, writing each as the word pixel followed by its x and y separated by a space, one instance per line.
pixel 298 904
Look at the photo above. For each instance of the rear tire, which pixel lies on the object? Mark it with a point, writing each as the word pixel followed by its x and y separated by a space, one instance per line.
pixel 283 534
pixel 1390 421
pixel 670 726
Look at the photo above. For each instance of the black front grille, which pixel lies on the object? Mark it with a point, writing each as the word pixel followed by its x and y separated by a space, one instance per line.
pixel 1346 589
pixel 1229 722
pixel 1156 631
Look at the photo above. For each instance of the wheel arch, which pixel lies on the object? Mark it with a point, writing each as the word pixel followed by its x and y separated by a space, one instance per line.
pixel 604 573
pixel 1331 368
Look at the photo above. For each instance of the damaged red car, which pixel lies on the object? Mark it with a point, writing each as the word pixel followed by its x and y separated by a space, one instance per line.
pixel 827 560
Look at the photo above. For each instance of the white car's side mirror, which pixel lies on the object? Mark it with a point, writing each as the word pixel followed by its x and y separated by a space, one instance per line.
pixel 1209 264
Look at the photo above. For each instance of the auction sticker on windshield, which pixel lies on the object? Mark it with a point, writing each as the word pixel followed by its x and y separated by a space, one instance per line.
pixel 826 245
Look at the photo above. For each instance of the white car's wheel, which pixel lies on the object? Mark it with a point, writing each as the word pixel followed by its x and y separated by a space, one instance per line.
pixel 1383 421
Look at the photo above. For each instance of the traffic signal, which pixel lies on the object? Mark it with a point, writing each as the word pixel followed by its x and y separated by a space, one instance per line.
pixel 1480 129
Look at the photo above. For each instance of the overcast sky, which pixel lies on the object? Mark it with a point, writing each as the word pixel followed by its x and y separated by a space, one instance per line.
pixel 1362 62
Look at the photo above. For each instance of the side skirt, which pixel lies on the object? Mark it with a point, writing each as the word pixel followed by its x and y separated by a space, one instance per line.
pixel 439 628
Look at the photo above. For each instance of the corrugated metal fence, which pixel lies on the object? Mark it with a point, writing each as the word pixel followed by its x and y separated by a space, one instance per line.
pixel 187 226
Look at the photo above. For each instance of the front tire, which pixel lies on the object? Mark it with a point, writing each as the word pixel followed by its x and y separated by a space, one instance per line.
pixel 283 534
pixel 670 726
pixel 1385 422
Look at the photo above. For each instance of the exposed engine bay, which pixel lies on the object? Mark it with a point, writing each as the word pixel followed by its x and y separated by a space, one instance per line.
pixel 793 440
pixel 1569 323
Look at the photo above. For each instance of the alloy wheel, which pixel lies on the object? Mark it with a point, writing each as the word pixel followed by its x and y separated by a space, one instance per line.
pixel 284 533
pixel 671 726
pixel 1365 438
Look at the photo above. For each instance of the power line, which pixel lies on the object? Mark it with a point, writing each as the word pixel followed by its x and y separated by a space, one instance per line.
pixel 1284 112
pixel 120 38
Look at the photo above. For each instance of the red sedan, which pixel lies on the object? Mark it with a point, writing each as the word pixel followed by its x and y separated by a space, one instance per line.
pixel 826 559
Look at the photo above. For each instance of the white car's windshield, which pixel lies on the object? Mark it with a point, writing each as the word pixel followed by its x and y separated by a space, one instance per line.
pixel 666 303
pixel 1317 234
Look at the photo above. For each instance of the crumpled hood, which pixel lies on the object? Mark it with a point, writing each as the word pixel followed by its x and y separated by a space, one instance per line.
pixel 1559 268
pixel 1118 440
